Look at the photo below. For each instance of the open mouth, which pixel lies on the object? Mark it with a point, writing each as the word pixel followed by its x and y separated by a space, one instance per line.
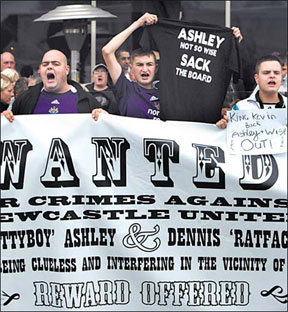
pixel 144 75
pixel 272 83
pixel 50 76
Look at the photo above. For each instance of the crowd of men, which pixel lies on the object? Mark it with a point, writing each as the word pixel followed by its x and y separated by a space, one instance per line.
pixel 124 85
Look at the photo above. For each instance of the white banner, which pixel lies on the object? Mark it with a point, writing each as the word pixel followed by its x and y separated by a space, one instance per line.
pixel 127 214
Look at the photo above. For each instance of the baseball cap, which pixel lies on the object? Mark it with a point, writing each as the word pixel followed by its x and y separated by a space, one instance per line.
pixel 98 66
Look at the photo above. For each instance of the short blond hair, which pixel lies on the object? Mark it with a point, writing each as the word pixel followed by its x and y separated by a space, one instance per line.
pixel 5 82
pixel 10 73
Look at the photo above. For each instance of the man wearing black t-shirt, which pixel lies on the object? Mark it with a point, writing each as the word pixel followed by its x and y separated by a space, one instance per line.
pixel 100 89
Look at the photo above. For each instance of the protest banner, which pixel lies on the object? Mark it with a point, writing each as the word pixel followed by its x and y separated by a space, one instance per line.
pixel 256 132
pixel 127 214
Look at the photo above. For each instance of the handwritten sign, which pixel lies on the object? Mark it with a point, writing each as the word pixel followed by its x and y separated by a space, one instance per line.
pixel 256 132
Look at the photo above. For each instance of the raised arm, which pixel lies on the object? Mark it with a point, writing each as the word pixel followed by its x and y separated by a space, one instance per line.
pixel 108 51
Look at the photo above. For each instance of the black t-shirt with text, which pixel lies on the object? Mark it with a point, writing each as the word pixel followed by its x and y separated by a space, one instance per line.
pixel 196 63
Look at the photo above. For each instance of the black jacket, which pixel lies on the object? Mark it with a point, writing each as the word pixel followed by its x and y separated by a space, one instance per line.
pixel 105 97
pixel 3 106
pixel 27 101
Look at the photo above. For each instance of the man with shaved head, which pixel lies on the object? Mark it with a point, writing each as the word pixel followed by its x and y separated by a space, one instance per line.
pixel 7 60
pixel 55 94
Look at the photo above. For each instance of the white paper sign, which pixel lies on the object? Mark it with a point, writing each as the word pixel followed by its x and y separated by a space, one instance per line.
pixel 256 132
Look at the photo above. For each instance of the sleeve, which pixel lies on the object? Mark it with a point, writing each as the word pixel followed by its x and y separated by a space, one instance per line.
pixel 235 60
pixel 113 106
pixel 26 102
pixel 121 90
pixel 120 87
pixel 3 106
pixel 20 101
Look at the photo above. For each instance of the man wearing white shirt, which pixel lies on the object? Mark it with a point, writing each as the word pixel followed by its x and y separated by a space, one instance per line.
pixel 268 76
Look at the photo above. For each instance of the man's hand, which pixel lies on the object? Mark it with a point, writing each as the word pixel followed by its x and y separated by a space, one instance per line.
pixel 97 111
pixel 8 114
pixel 237 33
pixel 222 123
pixel 147 19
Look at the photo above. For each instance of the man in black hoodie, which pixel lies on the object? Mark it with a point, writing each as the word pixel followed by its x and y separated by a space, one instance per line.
pixel 56 94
